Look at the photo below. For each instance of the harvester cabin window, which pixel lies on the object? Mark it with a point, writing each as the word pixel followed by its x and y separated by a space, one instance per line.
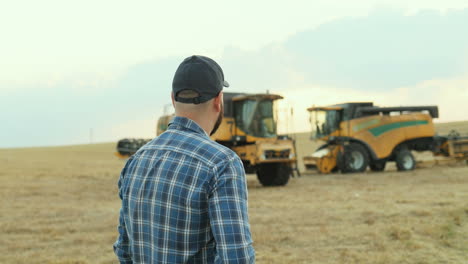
pixel 255 117
pixel 324 122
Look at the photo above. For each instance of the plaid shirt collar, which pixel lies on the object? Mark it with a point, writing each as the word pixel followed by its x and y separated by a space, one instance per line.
pixel 180 122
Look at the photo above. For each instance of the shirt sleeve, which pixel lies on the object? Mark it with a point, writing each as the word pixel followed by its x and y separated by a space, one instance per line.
pixel 122 245
pixel 228 212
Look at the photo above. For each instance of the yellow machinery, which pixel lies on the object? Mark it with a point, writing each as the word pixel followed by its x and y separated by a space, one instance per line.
pixel 359 135
pixel 249 128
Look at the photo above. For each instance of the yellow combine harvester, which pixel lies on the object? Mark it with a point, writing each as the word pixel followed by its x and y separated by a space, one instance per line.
pixel 249 128
pixel 359 135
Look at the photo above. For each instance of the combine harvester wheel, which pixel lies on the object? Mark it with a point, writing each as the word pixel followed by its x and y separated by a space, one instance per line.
pixel 274 174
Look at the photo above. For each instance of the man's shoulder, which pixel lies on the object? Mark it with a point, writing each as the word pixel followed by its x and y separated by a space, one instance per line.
pixel 223 152
pixel 215 151
pixel 193 144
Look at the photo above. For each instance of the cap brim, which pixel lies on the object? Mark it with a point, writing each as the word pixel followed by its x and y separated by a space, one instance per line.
pixel 225 84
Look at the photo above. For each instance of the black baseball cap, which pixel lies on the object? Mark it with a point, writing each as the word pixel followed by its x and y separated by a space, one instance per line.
pixel 199 74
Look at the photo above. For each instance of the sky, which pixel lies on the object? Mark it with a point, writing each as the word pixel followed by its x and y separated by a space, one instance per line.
pixel 75 72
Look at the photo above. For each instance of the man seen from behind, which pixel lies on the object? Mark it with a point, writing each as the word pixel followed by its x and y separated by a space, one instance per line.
pixel 184 196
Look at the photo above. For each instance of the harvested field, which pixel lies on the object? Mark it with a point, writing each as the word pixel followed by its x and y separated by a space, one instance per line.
pixel 60 205
pixel 445 128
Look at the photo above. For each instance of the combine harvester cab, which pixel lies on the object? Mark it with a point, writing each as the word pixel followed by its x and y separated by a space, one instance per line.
pixel 249 128
pixel 361 135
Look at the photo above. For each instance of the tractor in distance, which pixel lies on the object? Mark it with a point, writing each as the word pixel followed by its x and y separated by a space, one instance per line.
pixel 358 135
pixel 249 128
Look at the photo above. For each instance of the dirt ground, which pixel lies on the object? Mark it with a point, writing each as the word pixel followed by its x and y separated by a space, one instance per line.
pixel 60 205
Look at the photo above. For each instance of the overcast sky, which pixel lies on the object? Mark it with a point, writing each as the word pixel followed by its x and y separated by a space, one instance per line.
pixel 69 69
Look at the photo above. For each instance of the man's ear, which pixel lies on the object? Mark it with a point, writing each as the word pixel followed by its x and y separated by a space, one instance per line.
pixel 173 100
pixel 218 102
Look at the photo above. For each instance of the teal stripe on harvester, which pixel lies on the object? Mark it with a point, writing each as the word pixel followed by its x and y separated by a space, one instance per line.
pixel 377 131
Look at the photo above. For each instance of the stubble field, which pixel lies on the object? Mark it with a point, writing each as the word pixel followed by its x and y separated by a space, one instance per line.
pixel 60 205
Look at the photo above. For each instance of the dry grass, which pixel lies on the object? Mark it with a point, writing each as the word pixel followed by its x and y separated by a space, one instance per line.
pixel 390 217
pixel 60 205
pixel 460 126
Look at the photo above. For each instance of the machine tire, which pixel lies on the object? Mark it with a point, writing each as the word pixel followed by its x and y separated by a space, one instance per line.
pixel 405 160
pixel 378 165
pixel 354 158
pixel 274 174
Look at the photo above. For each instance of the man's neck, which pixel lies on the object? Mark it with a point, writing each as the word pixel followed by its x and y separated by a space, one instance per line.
pixel 204 123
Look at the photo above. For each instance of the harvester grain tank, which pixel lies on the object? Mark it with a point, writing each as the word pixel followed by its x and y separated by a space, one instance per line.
pixel 359 135
pixel 249 128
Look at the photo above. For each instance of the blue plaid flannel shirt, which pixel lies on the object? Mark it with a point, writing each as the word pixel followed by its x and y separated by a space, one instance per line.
pixel 184 200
